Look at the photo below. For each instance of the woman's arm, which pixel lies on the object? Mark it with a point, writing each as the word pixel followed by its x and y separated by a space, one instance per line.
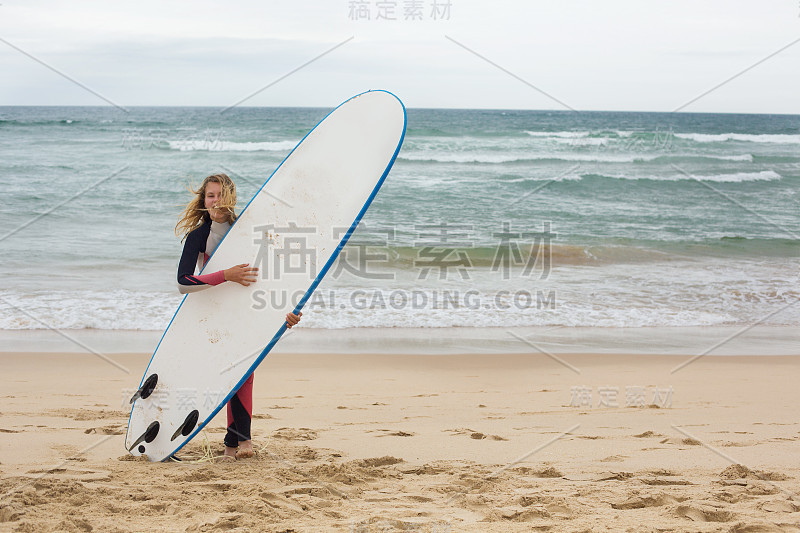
pixel 187 280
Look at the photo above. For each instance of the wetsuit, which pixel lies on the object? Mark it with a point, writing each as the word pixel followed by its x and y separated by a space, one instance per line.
pixel 200 244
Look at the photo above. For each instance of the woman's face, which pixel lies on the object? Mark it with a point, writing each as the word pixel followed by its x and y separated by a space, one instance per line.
pixel 213 196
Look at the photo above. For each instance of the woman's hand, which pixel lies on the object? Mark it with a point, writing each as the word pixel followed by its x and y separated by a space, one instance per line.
pixel 242 274
pixel 292 319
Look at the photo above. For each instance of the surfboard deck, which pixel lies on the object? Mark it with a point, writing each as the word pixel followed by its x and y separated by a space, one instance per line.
pixel 292 230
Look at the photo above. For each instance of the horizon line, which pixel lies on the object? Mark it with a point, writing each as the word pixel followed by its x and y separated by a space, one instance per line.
pixel 502 109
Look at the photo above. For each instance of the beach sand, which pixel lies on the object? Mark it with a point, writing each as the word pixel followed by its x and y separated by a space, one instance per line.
pixel 446 443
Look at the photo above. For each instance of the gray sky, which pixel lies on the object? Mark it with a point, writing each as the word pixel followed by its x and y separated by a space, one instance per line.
pixel 586 54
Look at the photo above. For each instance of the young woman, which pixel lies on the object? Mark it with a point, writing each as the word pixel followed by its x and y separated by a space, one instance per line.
pixel 203 224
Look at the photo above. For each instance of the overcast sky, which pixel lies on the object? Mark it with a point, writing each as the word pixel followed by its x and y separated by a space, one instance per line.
pixel 584 54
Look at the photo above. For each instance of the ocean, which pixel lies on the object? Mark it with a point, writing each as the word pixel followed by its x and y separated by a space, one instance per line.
pixel 488 218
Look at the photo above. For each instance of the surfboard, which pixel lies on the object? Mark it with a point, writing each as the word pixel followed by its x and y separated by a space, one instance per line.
pixel 292 229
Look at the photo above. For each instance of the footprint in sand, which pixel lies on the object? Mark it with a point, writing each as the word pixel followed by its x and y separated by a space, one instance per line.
pixel 662 472
pixel 655 481
pixel 83 415
pixel 703 513
pixel 108 430
pixel 759 488
pixel 295 434
pixel 529 514
pixel 548 472
pixel 780 506
pixel 225 523
pixel 86 414
pixel 74 475
pixel 477 435
pixel 686 442
pixel 729 497
pixel 614 459
pixel 735 444
pixel 427 470
pixel 647 500
pixel 601 476
pixel 480 436
pixel 647 434
pixel 128 457
pixel 556 509
pixel 761 527
pixel 738 471
pixel 201 475
pixel 310 490
pixel 391 433
pixel 418 498
pixel 384 523
pixel 559 510
pixel 386 460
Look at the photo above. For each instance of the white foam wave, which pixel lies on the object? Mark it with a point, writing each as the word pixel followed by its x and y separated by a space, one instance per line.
pixel 736 177
pixel 561 134
pixel 462 157
pixel 577 137
pixel 568 177
pixel 584 141
pixel 576 134
pixel 741 157
pixel 429 307
pixel 516 157
pixel 229 146
pixel 745 137
pixel 118 309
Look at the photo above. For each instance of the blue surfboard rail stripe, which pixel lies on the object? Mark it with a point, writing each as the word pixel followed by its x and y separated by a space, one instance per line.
pixel 313 285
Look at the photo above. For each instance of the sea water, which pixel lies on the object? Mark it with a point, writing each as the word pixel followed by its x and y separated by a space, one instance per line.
pixel 488 219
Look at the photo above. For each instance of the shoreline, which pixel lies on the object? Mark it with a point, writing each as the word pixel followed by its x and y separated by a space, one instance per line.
pixel 679 341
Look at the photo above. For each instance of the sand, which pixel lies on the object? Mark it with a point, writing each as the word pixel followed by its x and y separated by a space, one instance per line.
pixel 445 443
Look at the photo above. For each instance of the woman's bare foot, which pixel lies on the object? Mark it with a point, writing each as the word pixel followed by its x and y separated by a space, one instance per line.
pixel 230 453
pixel 245 450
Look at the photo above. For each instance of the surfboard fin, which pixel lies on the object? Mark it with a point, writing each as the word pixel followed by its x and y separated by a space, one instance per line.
pixel 188 425
pixel 146 389
pixel 148 436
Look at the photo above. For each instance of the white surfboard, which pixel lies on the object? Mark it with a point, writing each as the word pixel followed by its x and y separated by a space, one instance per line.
pixel 292 230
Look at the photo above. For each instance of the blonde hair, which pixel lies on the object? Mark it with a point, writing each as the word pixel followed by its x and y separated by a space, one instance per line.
pixel 195 212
